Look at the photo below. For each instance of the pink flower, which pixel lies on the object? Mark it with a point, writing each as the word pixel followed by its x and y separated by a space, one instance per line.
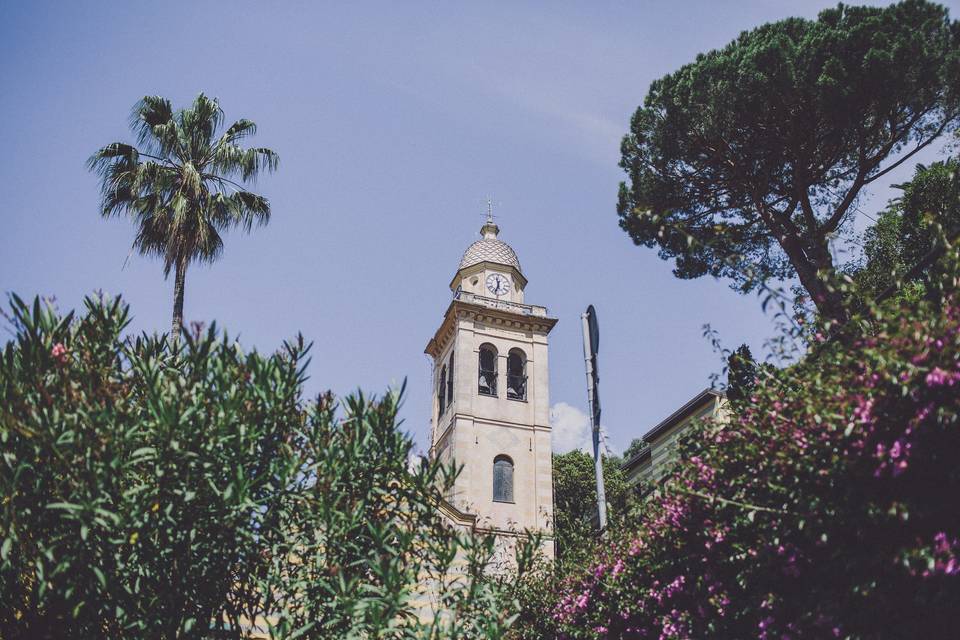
pixel 618 568
pixel 582 601
pixel 636 546
pixel 59 353
pixel 895 450
pixel 863 409
pixel 938 378
pixel 945 556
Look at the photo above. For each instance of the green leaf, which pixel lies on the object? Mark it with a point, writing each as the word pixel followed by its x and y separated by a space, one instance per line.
pixel 102 579
pixel 65 506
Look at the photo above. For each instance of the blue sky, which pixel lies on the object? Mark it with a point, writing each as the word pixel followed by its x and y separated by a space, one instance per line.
pixel 393 121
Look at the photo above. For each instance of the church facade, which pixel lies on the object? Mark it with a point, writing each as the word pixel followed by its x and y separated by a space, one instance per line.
pixel 491 396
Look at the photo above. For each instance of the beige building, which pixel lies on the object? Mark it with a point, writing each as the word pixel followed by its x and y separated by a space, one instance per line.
pixel 491 399
pixel 648 467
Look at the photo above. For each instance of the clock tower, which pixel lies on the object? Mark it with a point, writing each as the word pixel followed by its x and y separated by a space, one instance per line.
pixel 491 400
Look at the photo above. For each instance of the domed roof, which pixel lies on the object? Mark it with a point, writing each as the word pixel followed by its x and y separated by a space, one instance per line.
pixel 490 249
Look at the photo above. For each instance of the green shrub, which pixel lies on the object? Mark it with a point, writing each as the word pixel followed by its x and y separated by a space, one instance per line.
pixel 188 491
pixel 575 533
pixel 575 503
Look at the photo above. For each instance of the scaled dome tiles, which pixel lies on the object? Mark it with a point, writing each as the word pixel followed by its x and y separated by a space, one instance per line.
pixel 490 250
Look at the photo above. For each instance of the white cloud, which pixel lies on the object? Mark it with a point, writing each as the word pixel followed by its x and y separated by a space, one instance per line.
pixel 571 429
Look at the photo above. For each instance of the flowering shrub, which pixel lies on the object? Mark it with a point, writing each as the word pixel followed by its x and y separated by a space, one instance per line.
pixel 827 507
pixel 150 490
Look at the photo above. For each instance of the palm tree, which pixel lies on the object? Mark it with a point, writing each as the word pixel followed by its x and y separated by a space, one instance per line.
pixel 182 184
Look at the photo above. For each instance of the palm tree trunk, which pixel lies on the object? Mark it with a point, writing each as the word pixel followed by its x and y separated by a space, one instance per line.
pixel 179 281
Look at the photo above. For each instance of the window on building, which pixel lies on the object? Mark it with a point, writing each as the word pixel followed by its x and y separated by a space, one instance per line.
pixel 516 375
pixel 487 376
pixel 502 479
pixel 450 382
pixel 442 390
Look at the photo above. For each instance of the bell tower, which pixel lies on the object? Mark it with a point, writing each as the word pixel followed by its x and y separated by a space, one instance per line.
pixel 491 395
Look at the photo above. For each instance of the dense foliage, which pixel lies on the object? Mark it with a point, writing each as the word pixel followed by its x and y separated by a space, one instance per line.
pixel 636 446
pixel 826 507
pixel 741 373
pixel 575 503
pixel 576 536
pixel 745 163
pixel 906 234
pixel 187 491
pixel 182 185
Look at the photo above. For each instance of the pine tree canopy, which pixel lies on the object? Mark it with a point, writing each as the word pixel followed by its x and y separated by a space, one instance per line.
pixel 746 162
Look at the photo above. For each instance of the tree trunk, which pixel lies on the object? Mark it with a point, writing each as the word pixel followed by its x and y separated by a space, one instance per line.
pixel 833 305
pixel 817 275
pixel 179 280
pixel 828 300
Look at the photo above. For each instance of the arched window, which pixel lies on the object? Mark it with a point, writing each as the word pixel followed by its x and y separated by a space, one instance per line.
pixel 502 479
pixel 487 376
pixel 516 375
pixel 442 390
pixel 450 382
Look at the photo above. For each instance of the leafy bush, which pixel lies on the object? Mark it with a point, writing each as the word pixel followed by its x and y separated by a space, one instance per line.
pixel 188 491
pixel 575 531
pixel 907 232
pixel 826 508
pixel 575 503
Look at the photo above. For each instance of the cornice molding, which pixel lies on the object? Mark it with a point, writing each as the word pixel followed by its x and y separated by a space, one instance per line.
pixel 488 422
pixel 504 423
pixel 479 313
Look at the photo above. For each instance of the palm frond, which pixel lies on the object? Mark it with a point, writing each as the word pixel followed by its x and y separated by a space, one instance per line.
pixel 239 130
pixel 258 159
pixel 201 121
pixel 104 157
pixel 153 123
pixel 151 237
pixel 246 210
pixel 209 244
pixel 227 160
pixel 191 183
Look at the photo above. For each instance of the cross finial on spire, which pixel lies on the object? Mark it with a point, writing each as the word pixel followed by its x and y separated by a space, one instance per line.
pixel 490 229
pixel 490 204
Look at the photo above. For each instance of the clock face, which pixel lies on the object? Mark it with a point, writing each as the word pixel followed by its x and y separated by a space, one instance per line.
pixel 498 284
